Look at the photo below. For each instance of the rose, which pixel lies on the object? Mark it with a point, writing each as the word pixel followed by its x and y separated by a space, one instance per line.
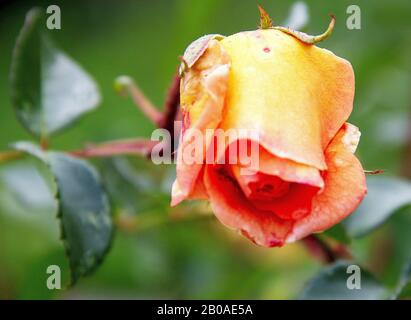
pixel 297 97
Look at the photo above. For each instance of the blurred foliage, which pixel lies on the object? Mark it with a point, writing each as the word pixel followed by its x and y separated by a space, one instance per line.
pixel 379 204
pixel 331 284
pixel 197 258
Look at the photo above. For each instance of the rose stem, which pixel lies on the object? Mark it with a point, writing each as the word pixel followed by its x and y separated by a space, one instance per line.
pixel 319 249
pixel 171 105
pixel 406 160
pixel 126 85
pixel 138 146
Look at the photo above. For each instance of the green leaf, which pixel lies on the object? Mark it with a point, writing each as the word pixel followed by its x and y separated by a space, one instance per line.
pixel 386 195
pixel 404 287
pixel 49 90
pixel 331 284
pixel 83 209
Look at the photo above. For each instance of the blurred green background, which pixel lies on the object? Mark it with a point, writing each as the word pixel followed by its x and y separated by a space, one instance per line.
pixel 194 259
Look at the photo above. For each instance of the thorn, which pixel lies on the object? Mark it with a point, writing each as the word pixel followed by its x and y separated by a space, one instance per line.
pixel 379 171
pixel 265 21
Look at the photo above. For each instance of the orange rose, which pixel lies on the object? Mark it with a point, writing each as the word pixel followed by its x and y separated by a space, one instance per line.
pixel 297 97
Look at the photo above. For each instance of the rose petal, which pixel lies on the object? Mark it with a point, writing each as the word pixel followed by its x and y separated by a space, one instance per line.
pixel 296 204
pixel 286 169
pixel 296 96
pixel 258 185
pixel 345 186
pixel 196 49
pixel 286 200
pixel 203 89
pixel 233 210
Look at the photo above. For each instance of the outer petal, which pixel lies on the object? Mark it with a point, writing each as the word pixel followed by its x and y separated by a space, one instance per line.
pixel 233 210
pixel 203 91
pixel 345 186
pixel 296 96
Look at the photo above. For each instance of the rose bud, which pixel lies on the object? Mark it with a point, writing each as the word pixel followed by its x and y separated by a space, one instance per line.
pixel 297 98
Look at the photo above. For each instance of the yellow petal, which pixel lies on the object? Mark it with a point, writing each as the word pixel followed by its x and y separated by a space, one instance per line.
pixel 296 96
pixel 203 90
